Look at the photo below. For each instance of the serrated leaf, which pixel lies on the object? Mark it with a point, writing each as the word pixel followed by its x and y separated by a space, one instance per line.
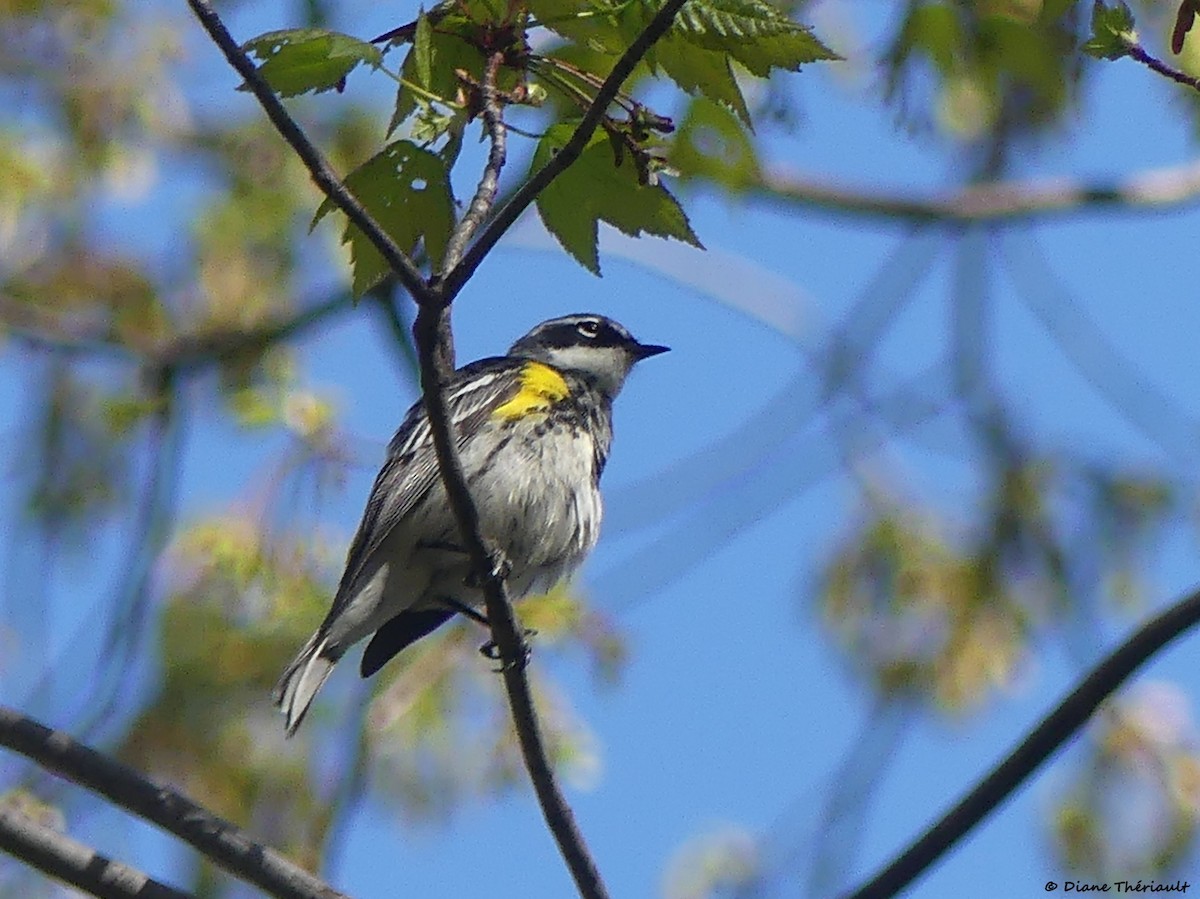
pixel 1112 31
pixel 593 189
pixel 300 60
pixel 407 191
pixel 699 71
pixel 754 32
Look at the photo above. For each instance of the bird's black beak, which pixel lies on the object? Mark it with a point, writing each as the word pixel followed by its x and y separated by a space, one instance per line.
pixel 646 350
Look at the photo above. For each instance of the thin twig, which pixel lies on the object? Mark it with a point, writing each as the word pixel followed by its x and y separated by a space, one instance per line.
pixel 223 843
pixel 528 192
pixel 63 858
pixel 322 173
pixel 1054 730
pixel 489 183
pixel 1138 52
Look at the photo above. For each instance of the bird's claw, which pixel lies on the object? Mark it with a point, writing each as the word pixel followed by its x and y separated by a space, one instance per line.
pixel 490 650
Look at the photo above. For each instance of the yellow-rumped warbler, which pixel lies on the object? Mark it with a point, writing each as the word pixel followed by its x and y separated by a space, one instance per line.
pixel 534 429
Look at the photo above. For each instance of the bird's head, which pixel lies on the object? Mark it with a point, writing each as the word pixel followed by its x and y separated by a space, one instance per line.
pixel 593 346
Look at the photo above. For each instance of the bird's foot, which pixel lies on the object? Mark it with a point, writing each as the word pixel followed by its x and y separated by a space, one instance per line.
pixel 490 650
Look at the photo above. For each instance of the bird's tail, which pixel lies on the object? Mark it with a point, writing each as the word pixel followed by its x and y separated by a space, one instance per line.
pixel 302 679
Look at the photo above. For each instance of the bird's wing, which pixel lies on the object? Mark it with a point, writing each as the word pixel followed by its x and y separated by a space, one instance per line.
pixel 411 468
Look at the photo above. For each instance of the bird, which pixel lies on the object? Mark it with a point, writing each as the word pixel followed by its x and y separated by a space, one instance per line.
pixel 534 429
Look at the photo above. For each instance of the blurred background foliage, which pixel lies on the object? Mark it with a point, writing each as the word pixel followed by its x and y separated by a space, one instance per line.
pixel 131 339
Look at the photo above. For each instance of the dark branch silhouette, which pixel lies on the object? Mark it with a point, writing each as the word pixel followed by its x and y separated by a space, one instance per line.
pixel 435 347
pixel 222 842
pixel 63 858
pixel 322 173
pixel 1045 739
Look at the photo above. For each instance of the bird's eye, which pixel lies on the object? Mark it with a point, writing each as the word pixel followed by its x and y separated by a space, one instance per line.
pixel 589 329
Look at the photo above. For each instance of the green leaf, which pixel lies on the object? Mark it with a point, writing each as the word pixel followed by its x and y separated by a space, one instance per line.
pixel 423 50
pixel 593 189
pixel 431 64
pixel 300 60
pixel 937 31
pixel 754 32
pixel 712 144
pixel 699 71
pixel 1112 31
pixel 407 191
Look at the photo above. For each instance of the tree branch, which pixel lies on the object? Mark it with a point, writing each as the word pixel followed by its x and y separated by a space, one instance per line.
pixel 997 201
pixel 1053 731
pixel 57 855
pixel 1138 52
pixel 434 340
pixel 322 173
pixel 528 192
pixel 485 193
pixel 222 842
pixel 431 330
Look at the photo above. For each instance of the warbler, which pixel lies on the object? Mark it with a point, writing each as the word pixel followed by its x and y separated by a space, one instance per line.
pixel 534 429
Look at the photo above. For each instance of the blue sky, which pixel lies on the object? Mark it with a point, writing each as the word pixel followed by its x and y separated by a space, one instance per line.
pixel 734 713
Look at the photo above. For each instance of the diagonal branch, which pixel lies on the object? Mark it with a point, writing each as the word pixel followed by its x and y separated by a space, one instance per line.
pixel 434 340
pixel 222 842
pixel 1053 731
pixel 432 330
pixel 63 858
pixel 322 173
pixel 485 193
pixel 1138 52
pixel 528 192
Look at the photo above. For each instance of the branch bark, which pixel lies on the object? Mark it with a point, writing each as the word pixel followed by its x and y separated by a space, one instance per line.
pixel 222 842
pixel 63 858
pixel 489 183
pixel 1045 739
pixel 320 170
pixel 434 339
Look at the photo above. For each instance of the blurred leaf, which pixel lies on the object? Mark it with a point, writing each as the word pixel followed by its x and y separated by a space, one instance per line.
pixel 920 617
pixel 721 863
pixel 712 144
pixel 302 60
pixel 595 189
pixel 1112 31
pixel 407 191
pixel 1137 763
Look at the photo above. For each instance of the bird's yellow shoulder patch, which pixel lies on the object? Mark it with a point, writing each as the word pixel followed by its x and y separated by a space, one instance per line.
pixel 541 387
